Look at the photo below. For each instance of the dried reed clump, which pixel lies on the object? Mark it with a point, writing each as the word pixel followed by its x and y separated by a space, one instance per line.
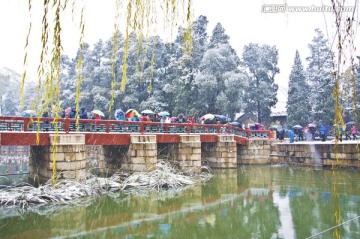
pixel 163 178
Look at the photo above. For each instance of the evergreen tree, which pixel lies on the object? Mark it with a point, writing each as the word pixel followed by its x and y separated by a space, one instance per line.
pixel 187 66
pixel 218 67
pixel 10 83
pixel 261 93
pixel 298 105
pixel 218 36
pixel 320 80
pixel 175 77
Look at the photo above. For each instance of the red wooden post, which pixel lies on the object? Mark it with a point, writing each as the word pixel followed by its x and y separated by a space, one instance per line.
pixel 107 126
pixel 188 128
pixel 26 124
pixel 67 124
pixel 141 127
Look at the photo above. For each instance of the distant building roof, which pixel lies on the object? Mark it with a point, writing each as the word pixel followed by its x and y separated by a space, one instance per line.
pixel 280 113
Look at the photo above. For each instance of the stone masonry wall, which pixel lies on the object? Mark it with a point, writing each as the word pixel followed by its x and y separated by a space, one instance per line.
pixel 318 154
pixel 190 153
pixel 257 151
pixel 224 153
pixel 142 154
pixel 68 152
pixel 111 158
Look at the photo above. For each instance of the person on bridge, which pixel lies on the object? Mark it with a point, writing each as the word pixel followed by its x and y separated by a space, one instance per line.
pixel 291 136
pixel 83 113
pixel 323 131
pixel 135 118
pixel 190 120
pixel 347 132
pixel 72 113
pixel 180 119
pixel 354 131
pixel 338 132
pixel 63 113
pixel 282 133
pixel 145 117
pixel 120 115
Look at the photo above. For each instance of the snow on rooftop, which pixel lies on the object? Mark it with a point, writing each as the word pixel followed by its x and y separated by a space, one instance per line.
pixel 279 113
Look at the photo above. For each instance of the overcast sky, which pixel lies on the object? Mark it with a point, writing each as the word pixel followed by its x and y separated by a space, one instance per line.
pixel 244 22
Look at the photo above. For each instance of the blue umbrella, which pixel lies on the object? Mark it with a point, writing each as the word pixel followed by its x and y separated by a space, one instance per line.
pixel 222 118
pixel 350 123
pixel 118 111
pixel 28 113
pixel 164 113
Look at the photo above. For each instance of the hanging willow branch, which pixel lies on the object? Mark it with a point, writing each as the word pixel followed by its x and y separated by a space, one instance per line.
pixel 345 58
pixel 344 30
pixel 141 19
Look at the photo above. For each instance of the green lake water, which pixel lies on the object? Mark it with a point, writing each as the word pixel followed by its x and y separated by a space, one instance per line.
pixel 250 202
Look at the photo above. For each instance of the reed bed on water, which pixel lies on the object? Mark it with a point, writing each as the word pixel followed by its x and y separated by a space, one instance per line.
pixel 165 180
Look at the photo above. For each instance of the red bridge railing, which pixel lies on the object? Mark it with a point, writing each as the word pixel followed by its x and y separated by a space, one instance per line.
pixel 67 125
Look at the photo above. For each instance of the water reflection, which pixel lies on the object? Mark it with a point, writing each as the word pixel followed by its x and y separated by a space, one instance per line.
pixel 251 202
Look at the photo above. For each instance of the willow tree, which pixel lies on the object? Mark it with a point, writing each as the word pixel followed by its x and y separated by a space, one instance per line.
pixel 140 17
pixel 346 22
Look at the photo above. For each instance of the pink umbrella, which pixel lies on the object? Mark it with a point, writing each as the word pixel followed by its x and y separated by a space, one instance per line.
pixel 68 110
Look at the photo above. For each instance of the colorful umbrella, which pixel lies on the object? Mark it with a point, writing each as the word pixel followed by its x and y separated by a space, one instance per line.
pixel 68 110
pixel 164 113
pixel 98 112
pixel 207 116
pixel 130 113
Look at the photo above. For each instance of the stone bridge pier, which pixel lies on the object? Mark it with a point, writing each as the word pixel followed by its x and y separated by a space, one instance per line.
pixel 140 155
pixel 65 155
pixel 221 154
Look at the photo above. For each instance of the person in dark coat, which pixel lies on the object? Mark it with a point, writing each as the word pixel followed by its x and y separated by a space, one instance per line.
pixel 282 134
pixel 62 114
pixel 323 131
pixel 46 123
pixel 180 119
pixel 72 112
pixel 83 113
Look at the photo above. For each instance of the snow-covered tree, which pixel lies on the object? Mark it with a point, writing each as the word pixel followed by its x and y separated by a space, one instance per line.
pixel 10 82
pixel 261 62
pixel 320 79
pixel 218 37
pixel 298 105
pixel 219 65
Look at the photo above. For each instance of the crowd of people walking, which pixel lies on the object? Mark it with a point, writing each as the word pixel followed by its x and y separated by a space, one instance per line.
pixel 311 131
